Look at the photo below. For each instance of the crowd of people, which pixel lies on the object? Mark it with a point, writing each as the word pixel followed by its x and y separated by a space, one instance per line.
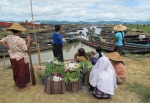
pixel 108 70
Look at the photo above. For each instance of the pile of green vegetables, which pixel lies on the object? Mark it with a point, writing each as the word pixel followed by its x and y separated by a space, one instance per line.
pixel 74 75
pixel 88 54
pixel 69 76
pixel 54 67
pixel 85 66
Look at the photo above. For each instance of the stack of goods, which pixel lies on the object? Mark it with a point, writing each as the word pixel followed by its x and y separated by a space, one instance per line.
pixel 86 68
pixel 55 85
pixel 53 66
pixel 58 77
pixel 54 82
pixel 77 75
pixel 73 78
pixel 41 73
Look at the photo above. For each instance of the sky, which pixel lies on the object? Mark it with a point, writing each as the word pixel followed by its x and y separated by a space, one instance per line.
pixel 75 10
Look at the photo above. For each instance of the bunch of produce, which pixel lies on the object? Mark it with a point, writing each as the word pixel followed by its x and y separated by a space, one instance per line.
pixel 72 76
pixel 73 73
pixel 54 66
pixel 85 66
pixel 72 67
pixel 88 54
pixel 40 71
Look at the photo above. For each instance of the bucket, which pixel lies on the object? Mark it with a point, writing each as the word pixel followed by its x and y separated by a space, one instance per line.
pixel 85 88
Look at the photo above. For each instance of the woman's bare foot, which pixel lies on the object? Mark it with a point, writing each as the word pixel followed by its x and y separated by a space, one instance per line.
pixel 24 88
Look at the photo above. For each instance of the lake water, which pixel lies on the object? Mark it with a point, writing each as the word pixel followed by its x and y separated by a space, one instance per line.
pixel 68 51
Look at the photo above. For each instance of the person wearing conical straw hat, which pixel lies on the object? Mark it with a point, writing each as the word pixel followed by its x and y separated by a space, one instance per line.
pixel 118 38
pixel 18 55
pixel 120 69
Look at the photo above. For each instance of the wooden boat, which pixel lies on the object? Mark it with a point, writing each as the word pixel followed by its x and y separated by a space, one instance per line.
pixel 104 47
pixel 33 49
pixel 130 47
pixel 47 31
pixel 126 36
pixel 131 36
pixel 137 41
pixel 71 40
pixel 143 51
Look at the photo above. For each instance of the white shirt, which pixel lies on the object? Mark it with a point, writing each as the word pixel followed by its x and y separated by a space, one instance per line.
pixel 17 47
pixel 103 76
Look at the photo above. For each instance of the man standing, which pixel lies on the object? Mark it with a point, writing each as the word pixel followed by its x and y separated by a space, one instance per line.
pixel 118 38
pixel 58 44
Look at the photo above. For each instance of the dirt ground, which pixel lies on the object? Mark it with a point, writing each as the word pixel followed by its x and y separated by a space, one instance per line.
pixel 138 70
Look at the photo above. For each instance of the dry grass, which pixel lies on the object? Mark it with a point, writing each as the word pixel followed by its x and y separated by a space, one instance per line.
pixel 138 71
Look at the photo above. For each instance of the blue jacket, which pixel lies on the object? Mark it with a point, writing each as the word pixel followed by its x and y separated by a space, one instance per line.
pixel 57 38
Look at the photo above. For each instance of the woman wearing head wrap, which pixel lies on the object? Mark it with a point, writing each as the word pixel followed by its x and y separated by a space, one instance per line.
pixel 103 79
pixel 118 38
pixel 18 55
pixel 118 65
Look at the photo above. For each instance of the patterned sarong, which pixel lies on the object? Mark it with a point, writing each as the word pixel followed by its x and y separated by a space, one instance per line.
pixel 99 94
pixel 21 73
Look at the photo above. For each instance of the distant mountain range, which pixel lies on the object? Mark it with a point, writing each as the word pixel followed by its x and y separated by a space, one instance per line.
pixel 83 22
pixel 98 22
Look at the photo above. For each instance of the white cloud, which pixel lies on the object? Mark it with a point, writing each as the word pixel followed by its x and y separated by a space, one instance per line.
pixel 75 10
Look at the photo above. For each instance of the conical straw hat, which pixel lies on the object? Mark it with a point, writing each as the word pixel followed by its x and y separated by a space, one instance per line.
pixel 119 27
pixel 114 56
pixel 16 26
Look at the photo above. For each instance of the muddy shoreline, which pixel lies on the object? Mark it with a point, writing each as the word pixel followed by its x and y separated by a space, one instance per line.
pixel 36 94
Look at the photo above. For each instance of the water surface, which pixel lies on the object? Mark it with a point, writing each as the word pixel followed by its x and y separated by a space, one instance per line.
pixel 68 51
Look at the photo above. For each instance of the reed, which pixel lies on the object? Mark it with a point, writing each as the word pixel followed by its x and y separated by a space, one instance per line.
pixel 145 28
pixel 140 89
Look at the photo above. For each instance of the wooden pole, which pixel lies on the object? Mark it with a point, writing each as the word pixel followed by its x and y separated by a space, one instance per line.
pixel 34 31
pixel 39 54
pixel 33 23
pixel 31 66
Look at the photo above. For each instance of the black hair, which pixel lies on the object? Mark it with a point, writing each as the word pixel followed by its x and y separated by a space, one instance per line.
pixel 99 50
pixel 15 31
pixel 57 28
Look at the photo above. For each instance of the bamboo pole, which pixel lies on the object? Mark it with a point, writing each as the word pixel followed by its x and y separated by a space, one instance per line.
pixel 33 23
pixel 39 54
pixel 31 66
pixel 35 32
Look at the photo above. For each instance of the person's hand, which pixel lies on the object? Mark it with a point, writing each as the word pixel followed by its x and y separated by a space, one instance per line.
pixel 92 52
pixel 76 54
pixel 28 37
